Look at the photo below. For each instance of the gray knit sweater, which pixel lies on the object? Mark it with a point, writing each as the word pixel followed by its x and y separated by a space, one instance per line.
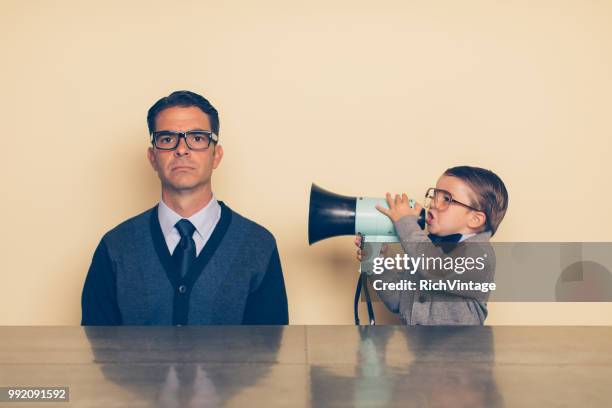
pixel 236 278
pixel 439 307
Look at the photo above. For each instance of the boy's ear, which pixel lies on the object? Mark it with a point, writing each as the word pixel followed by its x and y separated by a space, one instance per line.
pixel 477 220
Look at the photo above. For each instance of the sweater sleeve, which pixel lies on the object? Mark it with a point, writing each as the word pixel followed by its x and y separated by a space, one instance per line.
pixel 267 305
pixel 99 305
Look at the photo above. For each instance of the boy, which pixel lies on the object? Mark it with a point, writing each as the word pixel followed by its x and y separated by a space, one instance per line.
pixel 464 211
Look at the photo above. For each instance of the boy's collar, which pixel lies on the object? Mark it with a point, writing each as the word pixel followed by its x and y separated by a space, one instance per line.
pixel 466 236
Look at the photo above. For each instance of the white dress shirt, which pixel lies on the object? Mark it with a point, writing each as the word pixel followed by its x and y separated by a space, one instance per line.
pixel 466 236
pixel 204 221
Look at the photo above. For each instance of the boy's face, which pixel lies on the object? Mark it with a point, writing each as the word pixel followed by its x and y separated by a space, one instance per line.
pixel 456 218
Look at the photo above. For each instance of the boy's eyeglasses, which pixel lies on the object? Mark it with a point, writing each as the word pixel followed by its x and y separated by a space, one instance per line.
pixel 442 199
pixel 195 139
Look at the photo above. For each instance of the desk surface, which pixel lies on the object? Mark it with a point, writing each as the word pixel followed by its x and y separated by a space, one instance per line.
pixel 312 365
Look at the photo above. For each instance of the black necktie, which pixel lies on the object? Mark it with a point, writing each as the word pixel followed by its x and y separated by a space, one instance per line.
pixel 185 252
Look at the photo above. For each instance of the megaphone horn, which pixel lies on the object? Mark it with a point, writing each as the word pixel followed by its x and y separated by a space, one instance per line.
pixel 332 215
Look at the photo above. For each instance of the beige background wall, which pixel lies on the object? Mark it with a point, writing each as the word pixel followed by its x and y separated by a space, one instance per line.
pixel 359 97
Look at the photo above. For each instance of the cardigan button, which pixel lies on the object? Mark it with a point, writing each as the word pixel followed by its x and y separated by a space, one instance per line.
pixel 182 289
pixel 422 299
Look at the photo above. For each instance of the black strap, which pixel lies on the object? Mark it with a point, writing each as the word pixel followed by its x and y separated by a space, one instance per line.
pixel 362 283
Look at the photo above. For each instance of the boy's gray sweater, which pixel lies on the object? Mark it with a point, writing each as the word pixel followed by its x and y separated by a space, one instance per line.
pixel 448 307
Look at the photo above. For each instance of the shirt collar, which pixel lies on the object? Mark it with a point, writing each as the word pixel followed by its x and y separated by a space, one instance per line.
pixel 466 236
pixel 203 220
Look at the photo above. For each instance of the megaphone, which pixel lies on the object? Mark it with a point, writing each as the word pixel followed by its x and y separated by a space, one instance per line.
pixel 332 215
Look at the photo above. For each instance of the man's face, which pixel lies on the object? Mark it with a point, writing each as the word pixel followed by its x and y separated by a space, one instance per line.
pixel 182 169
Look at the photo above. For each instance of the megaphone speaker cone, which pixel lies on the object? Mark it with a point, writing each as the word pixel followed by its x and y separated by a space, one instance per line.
pixel 329 214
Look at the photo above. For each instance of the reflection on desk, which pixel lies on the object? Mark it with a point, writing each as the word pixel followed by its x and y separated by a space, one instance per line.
pixel 301 366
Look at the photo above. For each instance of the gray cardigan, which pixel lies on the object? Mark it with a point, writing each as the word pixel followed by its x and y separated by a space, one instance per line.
pixel 236 278
pixel 449 307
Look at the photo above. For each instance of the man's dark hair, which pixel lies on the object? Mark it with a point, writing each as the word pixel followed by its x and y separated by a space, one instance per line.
pixel 491 194
pixel 184 99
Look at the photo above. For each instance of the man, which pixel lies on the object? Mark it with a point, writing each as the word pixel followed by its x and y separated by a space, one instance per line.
pixel 190 259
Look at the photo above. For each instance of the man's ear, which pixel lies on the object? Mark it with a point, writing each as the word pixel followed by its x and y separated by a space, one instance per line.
pixel 151 157
pixel 217 155
pixel 477 220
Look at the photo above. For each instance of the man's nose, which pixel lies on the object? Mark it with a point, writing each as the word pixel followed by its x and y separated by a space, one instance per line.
pixel 181 149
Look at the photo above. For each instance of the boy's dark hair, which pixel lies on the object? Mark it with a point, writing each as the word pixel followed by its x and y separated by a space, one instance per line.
pixel 491 193
pixel 184 99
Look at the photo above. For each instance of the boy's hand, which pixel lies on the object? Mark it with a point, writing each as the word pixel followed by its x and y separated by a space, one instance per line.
pixel 399 207
pixel 383 249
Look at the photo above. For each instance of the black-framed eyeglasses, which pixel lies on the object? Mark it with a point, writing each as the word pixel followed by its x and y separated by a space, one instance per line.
pixel 442 199
pixel 195 139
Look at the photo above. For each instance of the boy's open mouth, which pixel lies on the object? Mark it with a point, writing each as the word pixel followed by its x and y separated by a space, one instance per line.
pixel 429 217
